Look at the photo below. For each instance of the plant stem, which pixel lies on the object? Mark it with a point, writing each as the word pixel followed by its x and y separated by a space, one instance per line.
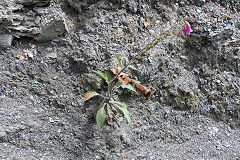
pixel 146 48
pixel 150 45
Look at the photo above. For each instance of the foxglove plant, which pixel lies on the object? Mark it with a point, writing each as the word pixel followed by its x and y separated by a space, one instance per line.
pixel 100 112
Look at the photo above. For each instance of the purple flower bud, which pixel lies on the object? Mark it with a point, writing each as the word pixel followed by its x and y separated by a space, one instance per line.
pixel 187 29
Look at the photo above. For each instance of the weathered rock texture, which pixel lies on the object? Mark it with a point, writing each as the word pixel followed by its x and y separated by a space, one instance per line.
pixel 40 22
pixel 193 113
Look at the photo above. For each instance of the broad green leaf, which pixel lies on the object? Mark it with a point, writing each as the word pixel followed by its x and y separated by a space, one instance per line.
pixel 89 95
pixel 128 86
pixel 109 76
pixel 101 74
pixel 125 111
pixel 101 116
pixel 133 67
pixel 119 60
pixel 116 103
pixel 136 80
pixel 95 112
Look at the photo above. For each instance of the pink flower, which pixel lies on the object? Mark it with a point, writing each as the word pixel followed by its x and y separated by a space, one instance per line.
pixel 187 29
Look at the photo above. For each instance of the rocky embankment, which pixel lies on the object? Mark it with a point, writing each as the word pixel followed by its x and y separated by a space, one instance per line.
pixel 48 50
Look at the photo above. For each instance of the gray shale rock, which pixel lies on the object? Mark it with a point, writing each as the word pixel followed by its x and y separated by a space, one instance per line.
pixel 93 81
pixel 197 73
pixel 37 3
pixel 6 40
pixel 41 23
pixel 80 5
pixel 213 53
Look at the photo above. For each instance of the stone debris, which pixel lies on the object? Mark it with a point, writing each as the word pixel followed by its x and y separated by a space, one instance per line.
pixel 42 23
pixel 51 50
pixel 6 40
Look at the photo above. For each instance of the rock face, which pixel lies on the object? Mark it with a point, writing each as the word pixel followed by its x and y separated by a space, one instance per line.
pixel 38 3
pixel 80 5
pixel 40 23
pixel 6 40
pixel 48 52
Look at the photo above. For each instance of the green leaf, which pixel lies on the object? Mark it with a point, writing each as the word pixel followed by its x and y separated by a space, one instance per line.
pixel 89 95
pixel 125 111
pixel 95 112
pixel 109 76
pixel 136 80
pixel 128 86
pixel 131 66
pixel 101 116
pixel 101 74
pixel 119 60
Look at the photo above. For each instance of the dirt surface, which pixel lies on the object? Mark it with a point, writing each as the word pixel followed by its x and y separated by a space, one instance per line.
pixel 46 67
pixel 34 131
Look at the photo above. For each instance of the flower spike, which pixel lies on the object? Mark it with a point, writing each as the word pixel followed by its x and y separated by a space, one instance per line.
pixel 187 29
